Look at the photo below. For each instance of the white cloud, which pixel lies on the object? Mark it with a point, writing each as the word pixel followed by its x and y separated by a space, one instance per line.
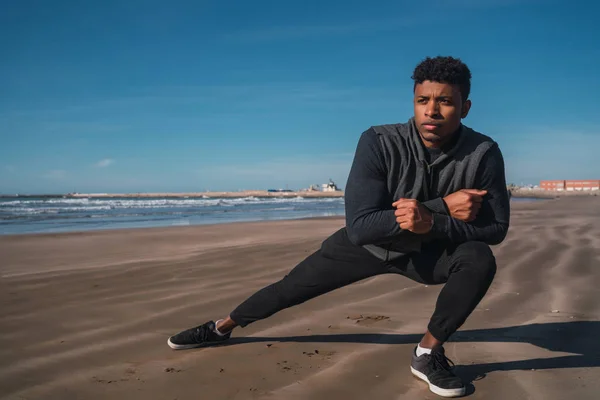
pixel 104 163
pixel 55 174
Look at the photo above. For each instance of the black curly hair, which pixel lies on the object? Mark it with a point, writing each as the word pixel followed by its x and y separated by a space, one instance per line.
pixel 444 70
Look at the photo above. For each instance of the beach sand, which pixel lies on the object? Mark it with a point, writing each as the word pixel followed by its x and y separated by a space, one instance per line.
pixel 87 315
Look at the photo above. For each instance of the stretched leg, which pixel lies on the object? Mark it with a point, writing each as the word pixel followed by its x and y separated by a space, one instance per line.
pixel 336 264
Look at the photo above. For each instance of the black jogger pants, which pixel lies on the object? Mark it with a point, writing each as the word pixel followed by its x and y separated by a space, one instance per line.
pixel 467 270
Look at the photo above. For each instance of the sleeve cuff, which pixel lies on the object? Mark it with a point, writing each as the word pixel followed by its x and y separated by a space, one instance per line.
pixel 440 225
pixel 437 205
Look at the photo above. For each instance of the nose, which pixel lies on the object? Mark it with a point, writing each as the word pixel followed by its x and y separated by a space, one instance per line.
pixel 432 109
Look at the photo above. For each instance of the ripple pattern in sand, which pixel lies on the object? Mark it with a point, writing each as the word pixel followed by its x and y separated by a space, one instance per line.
pixel 99 331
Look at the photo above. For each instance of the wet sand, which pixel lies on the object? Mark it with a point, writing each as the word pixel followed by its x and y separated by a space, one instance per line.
pixel 87 315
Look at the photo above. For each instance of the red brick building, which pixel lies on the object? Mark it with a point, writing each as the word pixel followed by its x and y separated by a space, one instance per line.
pixel 552 185
pixel 572 185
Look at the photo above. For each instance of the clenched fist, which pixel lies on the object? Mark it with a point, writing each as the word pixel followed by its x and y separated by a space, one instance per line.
pixel 412 216
pixel 465 204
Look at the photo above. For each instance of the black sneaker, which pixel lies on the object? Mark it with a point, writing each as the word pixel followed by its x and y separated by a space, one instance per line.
pixel 435 369
pixel 200 336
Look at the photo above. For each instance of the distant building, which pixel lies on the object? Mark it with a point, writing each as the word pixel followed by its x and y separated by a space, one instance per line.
pixel 329 187
pixel 571 185
pixel 325 187
pixel 553 185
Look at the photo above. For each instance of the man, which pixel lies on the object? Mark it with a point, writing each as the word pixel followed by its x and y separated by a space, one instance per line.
pixel 424 199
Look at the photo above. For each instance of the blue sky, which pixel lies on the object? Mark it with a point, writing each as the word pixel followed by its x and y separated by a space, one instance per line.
pixel 138 96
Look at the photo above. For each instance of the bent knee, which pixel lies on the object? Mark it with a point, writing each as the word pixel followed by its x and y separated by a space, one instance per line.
pixel 477 255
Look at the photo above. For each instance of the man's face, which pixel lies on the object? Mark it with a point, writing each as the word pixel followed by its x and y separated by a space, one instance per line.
pixel 438 111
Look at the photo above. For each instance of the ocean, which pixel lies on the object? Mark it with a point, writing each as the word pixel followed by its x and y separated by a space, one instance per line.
pixel 46 215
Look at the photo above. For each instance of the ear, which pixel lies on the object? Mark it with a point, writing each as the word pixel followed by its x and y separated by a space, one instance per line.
pixel 465 109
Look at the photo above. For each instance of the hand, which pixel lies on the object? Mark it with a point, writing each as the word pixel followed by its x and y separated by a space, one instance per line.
pixel 465 204
pixel 412 216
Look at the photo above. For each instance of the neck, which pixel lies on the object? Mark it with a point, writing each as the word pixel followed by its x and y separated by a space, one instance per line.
pixel 445 143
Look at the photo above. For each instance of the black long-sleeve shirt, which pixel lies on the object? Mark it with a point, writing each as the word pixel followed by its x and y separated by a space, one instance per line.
pixel 370 216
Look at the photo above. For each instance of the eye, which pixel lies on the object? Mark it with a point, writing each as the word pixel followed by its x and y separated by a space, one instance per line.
pixel 421 100
pixel 445 101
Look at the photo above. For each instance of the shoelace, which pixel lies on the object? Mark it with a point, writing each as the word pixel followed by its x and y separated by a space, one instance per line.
pixel 201 334
pixel 440 361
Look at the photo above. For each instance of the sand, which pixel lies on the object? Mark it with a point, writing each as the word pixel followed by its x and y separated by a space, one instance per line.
pixel 87 315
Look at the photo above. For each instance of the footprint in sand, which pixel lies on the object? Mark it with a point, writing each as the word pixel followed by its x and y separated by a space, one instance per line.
pixel 284 366
pixel 367 319
pixel 321 353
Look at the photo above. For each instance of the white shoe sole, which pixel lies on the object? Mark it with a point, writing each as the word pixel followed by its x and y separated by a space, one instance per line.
pixel 182 346
pixel 193 346
pixel 438 390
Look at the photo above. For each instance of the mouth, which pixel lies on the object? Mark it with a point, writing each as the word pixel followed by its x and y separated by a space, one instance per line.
pixel 431 126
